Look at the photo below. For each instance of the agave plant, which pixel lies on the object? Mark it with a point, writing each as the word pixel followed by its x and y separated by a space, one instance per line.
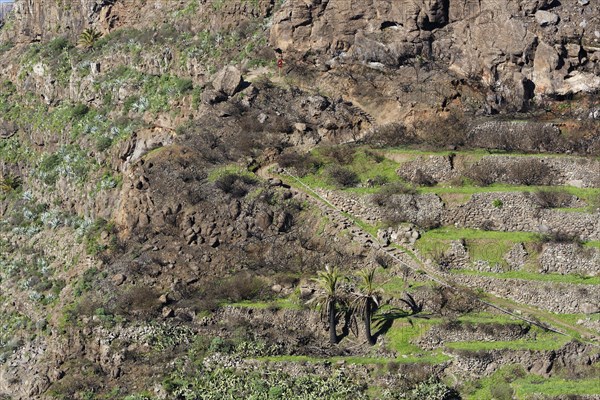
pixel 367 300
pixel 88 37
pixel 9 183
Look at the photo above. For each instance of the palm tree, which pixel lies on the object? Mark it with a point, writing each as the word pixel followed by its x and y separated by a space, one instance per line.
pixel 328 298
pixel 88 37
pixel 367 300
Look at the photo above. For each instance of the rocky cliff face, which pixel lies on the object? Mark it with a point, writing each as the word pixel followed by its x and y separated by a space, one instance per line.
pixel 517 50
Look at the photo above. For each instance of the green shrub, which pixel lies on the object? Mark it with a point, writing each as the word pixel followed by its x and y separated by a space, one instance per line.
pixel 88 38
pixel 129 102
pixel 502 391
pixel 103 143
pixel 58 44
pixel 79 111
pixel 184 85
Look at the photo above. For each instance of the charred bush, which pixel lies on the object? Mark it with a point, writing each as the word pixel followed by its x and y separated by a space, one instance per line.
pixel 343 155
pixel 530 171
pixel 485 173
pixel 561 237
pixel 443 132
pixel 237 185
pixel 302 164
pixel 342 176
pixel 552 198
pixel 391 135
pixel 423 179
pixel 242 287
pixel 378 158
pixel 138 300
pixel 382 198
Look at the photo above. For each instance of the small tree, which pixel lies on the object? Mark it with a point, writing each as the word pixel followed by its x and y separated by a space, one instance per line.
pixel 328 298
pixel 367 300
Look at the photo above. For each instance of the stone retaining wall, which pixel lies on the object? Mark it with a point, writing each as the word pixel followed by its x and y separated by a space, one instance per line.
pixel 567 171
pixel 570 258
pixel 517 212
pixel 561 258
pixel 460 332
pixel 501 211
pixel 551 296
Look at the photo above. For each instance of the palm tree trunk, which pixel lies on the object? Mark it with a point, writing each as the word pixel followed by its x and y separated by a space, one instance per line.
pixel 367 322
pixel 331 311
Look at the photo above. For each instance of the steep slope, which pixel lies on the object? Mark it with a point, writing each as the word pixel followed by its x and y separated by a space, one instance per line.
pixel 140 245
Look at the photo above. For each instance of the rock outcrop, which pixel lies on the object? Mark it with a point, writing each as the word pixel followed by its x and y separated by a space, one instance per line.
pixel 517 49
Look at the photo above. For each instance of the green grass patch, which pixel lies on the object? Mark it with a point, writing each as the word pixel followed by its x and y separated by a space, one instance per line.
pixel 573 318
pixel 219 172
pixel 403 333
pixel 594 244
pixel 365 163
pixel 532 276
pixel 316 360
pixel 543 341
pixel 490 246
pixel 451 233
pixel 555 386
pixel 514 382
pixel 279 304
pixel 486 318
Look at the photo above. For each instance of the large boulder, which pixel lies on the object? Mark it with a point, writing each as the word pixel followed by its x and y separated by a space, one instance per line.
pixel 228 80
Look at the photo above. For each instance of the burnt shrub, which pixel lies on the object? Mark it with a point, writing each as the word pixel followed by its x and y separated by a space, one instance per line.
pixel 378 158
pixel 378 180
pixel 449 302
pixel 530 171
pixel 552 198
pixel 391 135
pixel 302 164
pixel 484 173
pixel 343 155
pixel 423 179
pixel 382 198
pixel 237 185
pixel 561 237
pixel 138 300
pixel 443 131
pixel 242 287
pixel 342 176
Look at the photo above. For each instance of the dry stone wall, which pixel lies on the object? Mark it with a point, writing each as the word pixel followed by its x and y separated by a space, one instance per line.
pixel 568 171
pixel 515 212
pixel 551 296
pixel 459 332
pixel 570 258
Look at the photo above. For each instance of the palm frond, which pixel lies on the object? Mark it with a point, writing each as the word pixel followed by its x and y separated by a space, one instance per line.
pixel 410 301
pixel 88 37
